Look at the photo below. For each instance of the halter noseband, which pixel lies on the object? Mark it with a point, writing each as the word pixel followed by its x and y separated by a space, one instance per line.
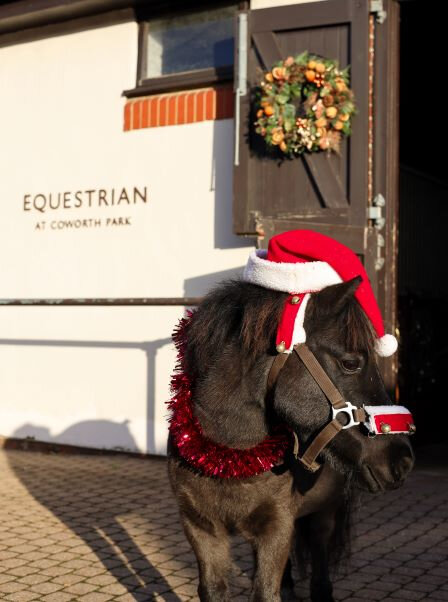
pixel 368 414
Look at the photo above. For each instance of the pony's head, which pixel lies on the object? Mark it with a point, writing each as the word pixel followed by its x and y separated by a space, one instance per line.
pixel 229 353
pixel 342 339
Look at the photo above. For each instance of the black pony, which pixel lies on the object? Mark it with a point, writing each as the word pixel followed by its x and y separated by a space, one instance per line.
pixel 228 354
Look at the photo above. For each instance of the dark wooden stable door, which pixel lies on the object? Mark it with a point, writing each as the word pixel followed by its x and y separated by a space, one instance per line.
pixel 327 192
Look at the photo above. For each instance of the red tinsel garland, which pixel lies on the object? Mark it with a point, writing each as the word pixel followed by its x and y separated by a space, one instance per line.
pixel 210 458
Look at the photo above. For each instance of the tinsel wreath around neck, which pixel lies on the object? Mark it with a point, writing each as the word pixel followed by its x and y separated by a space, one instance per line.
pixel 202 454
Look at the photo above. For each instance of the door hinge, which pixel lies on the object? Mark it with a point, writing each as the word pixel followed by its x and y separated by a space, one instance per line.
pixel 375 214
pixel 376 6
pixel 258 226
pixel 380 244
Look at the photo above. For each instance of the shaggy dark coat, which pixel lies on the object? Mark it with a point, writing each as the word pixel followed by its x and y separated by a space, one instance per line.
pixel 230 349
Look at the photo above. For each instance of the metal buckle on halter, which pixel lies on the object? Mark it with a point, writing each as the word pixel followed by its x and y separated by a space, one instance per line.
pixel 348 409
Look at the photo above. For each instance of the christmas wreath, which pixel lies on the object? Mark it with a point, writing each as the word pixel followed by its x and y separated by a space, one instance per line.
pixel 304 104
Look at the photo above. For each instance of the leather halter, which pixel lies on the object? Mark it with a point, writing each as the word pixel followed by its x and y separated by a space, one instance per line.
pixel 337 401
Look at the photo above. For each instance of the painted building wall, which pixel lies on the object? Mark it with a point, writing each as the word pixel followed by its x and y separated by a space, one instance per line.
pixel 70 228
pixel 257 4
pixel 100 376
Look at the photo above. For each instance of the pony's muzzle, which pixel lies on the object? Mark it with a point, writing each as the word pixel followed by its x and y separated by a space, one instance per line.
pixel 389 466
pixel 403 463
pixel 400 463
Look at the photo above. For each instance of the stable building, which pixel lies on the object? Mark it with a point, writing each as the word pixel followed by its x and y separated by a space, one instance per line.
pixel 133 181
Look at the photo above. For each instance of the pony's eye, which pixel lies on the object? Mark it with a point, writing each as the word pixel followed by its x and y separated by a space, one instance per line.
pixel 351 365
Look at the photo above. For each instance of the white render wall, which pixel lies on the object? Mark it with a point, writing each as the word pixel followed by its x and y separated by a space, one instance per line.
pixel 255 4
pixel 100 376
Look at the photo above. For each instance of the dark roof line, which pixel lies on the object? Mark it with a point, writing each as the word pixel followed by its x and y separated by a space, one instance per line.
pixel 25 14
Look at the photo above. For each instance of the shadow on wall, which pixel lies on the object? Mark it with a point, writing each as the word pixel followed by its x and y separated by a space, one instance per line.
pixel 98 433
pixel 83 434
pixel 201 285
pixel 95 503
pixel 222 184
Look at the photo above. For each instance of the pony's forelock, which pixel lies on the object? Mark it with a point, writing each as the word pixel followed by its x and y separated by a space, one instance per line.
pixel 359 332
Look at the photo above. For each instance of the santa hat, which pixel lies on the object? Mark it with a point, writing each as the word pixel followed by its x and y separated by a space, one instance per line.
pixel 301 262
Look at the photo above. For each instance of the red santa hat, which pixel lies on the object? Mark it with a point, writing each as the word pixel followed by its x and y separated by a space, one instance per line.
pixel 301 262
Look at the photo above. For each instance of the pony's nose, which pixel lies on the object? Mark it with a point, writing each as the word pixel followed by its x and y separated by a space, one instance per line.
pixel 403 463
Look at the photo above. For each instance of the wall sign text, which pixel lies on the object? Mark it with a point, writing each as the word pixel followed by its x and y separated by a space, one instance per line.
pixel 85 199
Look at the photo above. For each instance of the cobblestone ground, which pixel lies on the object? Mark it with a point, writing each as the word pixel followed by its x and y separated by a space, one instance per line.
pixel 100 528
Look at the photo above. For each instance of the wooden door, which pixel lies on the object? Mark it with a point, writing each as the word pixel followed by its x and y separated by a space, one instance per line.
pixel 333 194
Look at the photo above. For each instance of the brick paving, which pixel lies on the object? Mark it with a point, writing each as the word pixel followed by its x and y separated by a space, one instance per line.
pixel 105 528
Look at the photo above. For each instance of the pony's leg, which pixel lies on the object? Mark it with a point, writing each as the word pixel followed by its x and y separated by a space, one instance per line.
pixel 272 548
pixel 212 549
pixel 287 585
pixel 321 527
pixel 287 580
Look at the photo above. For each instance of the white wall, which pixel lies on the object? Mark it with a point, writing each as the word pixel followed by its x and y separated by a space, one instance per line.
pixel 96 377
pixel 100 376
pixel 255 4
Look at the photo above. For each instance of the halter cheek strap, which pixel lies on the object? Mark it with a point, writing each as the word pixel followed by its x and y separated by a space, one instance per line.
pixel 323 438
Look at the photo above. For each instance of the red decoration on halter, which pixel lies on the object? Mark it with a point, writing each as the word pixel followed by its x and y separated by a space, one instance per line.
pixel 285 331
pixel 209 458
pixel 389 420
pixel 303 261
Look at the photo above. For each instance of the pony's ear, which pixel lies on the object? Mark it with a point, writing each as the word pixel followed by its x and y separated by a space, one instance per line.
pixel 332 299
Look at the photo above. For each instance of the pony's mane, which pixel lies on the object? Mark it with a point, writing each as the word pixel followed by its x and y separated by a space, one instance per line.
pixel 247 316
pixel 358 329
pixel 234 312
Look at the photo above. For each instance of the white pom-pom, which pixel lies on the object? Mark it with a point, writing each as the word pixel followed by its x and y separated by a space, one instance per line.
pixel 386 345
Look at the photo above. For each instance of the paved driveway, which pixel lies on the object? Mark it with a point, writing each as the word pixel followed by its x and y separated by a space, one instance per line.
pixel 100 528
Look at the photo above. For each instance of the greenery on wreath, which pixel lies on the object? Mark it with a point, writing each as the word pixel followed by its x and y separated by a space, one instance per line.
pixel 304 104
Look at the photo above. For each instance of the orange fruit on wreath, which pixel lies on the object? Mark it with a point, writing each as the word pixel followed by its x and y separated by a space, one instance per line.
pixel 279 72
pixel 277 136
pixel 310 75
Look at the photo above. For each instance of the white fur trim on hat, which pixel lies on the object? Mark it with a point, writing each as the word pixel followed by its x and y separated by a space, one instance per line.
pixel 289 277
pixel 386 345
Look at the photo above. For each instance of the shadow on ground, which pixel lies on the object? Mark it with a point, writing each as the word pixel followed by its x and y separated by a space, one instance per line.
pixel 109 525
pixel 108 505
